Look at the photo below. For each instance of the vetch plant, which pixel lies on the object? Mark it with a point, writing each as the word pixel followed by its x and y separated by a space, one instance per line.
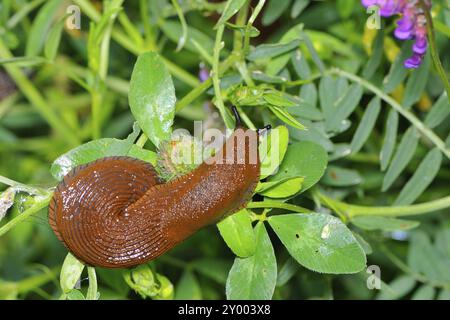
pixel 356 162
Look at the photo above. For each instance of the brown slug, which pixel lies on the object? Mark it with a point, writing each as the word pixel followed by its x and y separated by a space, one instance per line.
pixel 115 212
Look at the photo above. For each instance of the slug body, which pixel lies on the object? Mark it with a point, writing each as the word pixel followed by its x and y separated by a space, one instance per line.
pixel 115 212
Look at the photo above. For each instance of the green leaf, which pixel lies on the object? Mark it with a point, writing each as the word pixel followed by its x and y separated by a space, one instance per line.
pixel 254 278
pixel 425 259
pixel 314 54
pixel 142 154
pixel 213 268
pixel 301 66
pixel 152 97
pixel 390 138
pixel 377 55
pixel 70 273
pixel 274 10
pixel 422 178
pixel 384 223
pixel 231 8
pixel 264 51
pixel 298 7
pixel 23 61
pixel 341 177
pixel 345 8
pixel 303 159
pixel 366 125
pixel 272 150
pixel 286 117
pixel 344 107
pixel 237 231
pixel 439 112
pixel 416 83
pixel 363 243
pixel 402 157
pixel 281 189
pixel 398 72
pixel 444 295
pixel 188 287
pixel 280 99
pixel 396 289
pixel 88 152
pixel 288 270
pixel 330 90
pixel 276 64
pixel 75 295
pixel 41 25
pixel 253 31
pixel 425 292
pixel 173 30
pixel 53 40
pixel 319 242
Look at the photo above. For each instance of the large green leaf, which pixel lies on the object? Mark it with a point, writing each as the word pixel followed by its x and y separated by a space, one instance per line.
pixel 70 272
pixel 320 242
pixel 254 278
pixel 152 97
pixel 237 231
pixel 305 159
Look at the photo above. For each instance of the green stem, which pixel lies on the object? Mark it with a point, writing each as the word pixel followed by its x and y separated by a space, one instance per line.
pixel 394 104
pixel 36 99
pixel 38 205
pixel 215 75
pixel 21 187
pixel 277 205
pixel 351 211
pixel 31 283
pixel 250 22
pixel 434 50
pixel 92 289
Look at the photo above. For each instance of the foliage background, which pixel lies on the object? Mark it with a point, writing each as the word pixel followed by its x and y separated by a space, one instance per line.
pixel 344 82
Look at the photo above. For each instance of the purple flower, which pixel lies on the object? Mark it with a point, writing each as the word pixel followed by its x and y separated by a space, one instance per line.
pixel 411 25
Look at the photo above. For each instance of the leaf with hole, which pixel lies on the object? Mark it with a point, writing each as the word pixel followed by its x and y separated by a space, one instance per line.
pixel 319 242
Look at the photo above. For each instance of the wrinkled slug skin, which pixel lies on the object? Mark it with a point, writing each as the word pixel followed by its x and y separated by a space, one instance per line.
pixel 116 213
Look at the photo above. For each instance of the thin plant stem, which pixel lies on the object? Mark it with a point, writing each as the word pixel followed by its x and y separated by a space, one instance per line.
pixel 216 77
pixel 427 132
pixel 21 187
pixel 40 204
pixel 277 205
pixel 92 289
pixel 350 211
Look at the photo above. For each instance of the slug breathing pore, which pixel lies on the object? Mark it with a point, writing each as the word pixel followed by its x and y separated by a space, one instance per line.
pixel 116 212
